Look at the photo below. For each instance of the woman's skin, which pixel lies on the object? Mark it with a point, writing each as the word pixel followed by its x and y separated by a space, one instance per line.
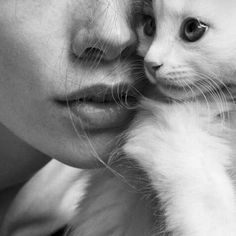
pixel 46 63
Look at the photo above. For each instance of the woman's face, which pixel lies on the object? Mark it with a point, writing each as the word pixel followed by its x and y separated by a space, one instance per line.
pixel 63 66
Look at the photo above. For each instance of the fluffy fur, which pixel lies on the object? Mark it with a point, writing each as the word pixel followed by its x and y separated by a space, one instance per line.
pixel 185 150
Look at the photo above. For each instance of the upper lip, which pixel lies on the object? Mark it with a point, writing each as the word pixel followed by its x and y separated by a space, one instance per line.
pixel 101 94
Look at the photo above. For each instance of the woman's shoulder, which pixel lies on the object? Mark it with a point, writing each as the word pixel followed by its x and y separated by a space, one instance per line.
pixel 47 201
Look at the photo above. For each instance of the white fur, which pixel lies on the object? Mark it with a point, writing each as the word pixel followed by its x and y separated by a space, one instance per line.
pixel 184 149
pixel 188 153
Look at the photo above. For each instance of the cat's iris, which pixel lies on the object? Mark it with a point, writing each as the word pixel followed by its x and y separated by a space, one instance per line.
pixel 149 27
pixel 192 30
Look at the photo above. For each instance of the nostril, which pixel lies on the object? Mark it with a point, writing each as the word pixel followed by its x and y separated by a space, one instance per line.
pixel 91 54
pixel 152 66
pixel 95 44
pixel 156 67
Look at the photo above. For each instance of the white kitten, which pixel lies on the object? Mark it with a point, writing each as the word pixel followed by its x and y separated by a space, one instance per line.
pixel 189 49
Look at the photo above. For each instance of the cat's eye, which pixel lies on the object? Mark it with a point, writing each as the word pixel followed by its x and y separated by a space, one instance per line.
pixel 192 30
pixel 149 27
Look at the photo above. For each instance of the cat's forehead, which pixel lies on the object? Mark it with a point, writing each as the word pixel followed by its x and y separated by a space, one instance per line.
pixel 169 5
pixel 186 7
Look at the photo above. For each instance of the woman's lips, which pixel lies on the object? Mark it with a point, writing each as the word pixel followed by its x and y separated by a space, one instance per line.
pixel 101 106
pixel 100 116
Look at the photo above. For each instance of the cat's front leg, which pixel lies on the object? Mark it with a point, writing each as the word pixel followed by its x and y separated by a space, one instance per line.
pixel 182 148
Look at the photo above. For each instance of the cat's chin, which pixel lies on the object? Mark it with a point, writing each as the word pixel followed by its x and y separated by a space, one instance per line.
pixel 175 91
pixel 193 92
pixel 179 93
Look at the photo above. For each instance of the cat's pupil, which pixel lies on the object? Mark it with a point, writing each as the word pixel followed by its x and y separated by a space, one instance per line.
pixel 191 27
pixel 192 30
pixel 149 28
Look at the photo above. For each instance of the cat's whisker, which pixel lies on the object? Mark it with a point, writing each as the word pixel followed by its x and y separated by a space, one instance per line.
pixel 207 103
pixel 221 102
pixel 218 84
pixel 217 94
pixel 226 87
pixel 218 101
pixel 210 88
pixel 191 89
pixel 201 91
pixel 207 87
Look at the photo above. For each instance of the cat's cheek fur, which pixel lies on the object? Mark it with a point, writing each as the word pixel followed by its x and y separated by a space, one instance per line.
pixel 187 160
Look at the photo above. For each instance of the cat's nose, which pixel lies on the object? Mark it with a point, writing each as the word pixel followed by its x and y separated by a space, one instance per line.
pixel 152 67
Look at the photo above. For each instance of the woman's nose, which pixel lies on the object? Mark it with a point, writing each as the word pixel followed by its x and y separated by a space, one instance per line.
pixel 105 40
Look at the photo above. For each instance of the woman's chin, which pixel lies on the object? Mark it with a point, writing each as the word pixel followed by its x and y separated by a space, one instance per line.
pixel 91 149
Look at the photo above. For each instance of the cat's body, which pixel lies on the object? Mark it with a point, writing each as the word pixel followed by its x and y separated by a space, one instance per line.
pixel 189 53
pixel 185 150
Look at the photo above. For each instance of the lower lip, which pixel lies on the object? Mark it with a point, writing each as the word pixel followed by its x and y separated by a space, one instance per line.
pixel 96 116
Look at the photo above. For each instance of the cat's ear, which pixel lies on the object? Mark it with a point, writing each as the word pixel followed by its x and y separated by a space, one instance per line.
pixel 47 202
